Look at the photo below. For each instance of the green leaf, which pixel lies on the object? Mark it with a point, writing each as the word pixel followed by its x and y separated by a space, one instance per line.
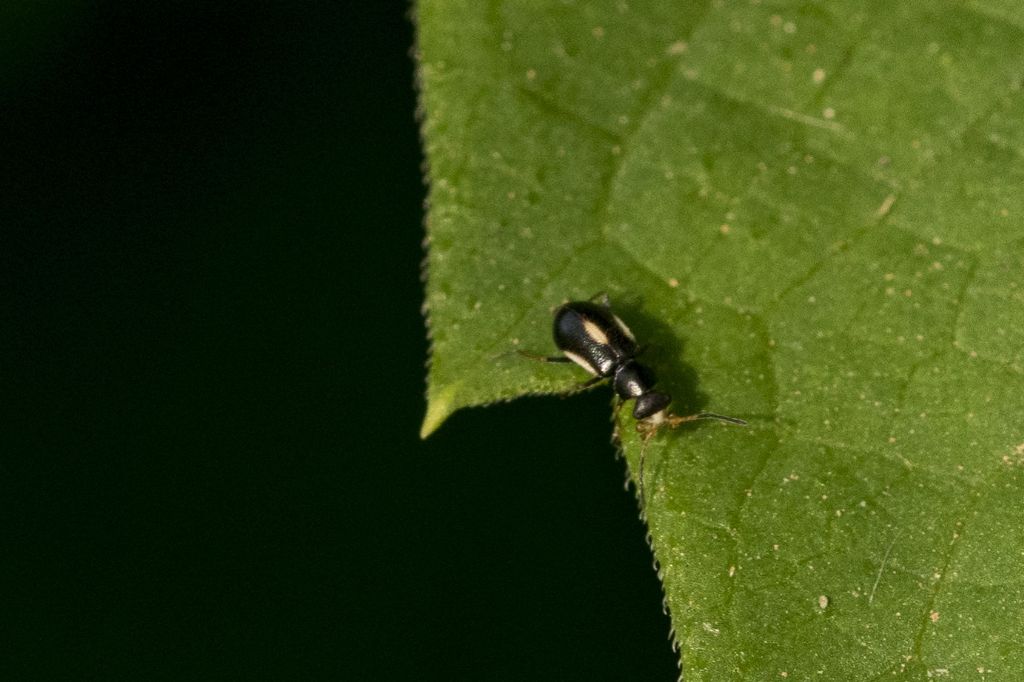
pixel 813 212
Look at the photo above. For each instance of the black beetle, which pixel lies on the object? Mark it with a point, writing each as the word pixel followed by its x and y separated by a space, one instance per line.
pixel 591 335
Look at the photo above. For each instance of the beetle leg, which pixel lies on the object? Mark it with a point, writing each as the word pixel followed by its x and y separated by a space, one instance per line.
pixel 616 406
pixel 591 382
pixel 647 434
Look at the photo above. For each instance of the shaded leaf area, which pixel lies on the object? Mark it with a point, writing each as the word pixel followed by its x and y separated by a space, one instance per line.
pixel 812 212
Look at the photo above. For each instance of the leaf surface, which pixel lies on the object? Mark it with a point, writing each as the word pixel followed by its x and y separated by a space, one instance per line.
pixel 813 214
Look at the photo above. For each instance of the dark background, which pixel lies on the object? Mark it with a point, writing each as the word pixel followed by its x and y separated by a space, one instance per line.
pixel 213 378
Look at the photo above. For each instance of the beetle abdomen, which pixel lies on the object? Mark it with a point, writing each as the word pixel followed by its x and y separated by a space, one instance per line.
pixel 592 336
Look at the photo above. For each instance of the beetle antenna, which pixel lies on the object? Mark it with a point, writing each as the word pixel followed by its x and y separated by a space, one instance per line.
pixel 647 430
pixel 675 421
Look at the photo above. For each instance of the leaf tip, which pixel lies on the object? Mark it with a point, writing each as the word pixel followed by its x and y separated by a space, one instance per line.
pixel 438 408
